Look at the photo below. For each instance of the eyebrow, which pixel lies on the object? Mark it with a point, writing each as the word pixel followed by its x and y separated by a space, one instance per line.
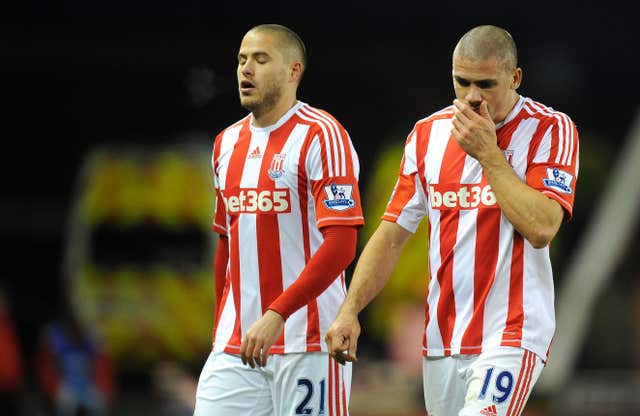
pixel 483 83
pixel 254 54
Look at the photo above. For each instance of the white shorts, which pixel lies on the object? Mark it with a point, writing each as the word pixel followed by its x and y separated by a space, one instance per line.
pixel 493 383
pixel 290 384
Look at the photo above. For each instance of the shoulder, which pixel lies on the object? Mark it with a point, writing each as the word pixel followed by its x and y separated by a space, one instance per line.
pixel 546 114
pixel 318 119
pixel 424 125
pixel 233 127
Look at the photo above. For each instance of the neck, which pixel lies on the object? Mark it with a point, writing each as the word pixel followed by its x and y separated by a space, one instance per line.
pixel 272 115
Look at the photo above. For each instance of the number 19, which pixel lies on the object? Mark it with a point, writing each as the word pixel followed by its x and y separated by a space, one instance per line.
pixel 503 382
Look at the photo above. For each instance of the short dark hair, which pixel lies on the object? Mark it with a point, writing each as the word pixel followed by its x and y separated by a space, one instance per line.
pixel 488 42
pixel 290 39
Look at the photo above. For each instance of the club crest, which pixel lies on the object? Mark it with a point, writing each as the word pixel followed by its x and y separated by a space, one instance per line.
pixel 508 154
pixel 276 169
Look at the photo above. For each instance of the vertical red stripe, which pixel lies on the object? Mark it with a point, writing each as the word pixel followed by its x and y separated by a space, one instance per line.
pixel 313 317
pixel 527 384
pixel 525 372
pixel 486 260
pixel 515 397
pixel 450 172
pixel 267 229
pixel 512 335
pixel 232 181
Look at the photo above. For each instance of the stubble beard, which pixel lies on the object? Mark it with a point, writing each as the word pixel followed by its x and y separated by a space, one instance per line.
pixel 269 100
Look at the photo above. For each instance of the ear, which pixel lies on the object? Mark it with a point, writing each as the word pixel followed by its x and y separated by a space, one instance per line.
pixel 516 78
pixel 295 71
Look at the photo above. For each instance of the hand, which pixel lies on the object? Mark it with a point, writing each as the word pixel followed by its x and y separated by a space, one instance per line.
pixel 474 131
pixel 260 337
pixel 342 338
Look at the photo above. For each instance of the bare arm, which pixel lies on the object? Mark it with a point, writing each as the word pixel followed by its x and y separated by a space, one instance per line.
pixel 535 216
pixel 374 267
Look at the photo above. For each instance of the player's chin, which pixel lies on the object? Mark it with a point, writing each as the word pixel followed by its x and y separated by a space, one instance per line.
pixel 249 102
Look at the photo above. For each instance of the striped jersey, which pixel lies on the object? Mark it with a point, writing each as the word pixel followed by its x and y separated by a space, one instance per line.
pixel 488 286
pixel 276 187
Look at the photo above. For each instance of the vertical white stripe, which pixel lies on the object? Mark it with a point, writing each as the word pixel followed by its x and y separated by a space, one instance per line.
pixel 520 141
pixel 434 337
pixel 229 139
pixel 415 209
pixel 577 158
pixel 325 135
pixel 337 139
pixel 250 297
pixel 438 140
pixel 497 305
pixel 290 235
pixel 563 135
pixel 464 259
pixel 544 149
pixel 410 158
pixel 537 299
pixel 471 172
pixel 355 160
pixel 332 135
pixel 570 137
pixel 226 323
pixel 462 275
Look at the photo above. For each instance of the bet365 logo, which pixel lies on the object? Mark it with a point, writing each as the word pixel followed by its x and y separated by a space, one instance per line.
pixel 460 196
pixel 256 201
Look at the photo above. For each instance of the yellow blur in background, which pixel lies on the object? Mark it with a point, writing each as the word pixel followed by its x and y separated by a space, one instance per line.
pixel 140 250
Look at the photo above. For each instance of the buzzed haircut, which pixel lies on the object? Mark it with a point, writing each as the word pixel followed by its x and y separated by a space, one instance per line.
pixel 290 39
pixel 488 42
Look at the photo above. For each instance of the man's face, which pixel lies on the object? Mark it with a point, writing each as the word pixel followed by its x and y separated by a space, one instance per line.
pixel 262 72
pixel 478 81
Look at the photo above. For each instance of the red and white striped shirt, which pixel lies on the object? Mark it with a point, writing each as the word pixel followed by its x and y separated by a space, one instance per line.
pixel 276 187
pixel 488 286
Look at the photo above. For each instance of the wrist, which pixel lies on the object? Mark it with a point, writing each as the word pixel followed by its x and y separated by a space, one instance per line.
pixel 275 314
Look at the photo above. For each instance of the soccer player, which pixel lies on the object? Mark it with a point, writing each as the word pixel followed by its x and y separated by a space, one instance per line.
pixel 495 174
pixel 286 236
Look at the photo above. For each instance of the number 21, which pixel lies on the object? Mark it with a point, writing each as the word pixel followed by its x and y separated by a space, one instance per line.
pixel 302 408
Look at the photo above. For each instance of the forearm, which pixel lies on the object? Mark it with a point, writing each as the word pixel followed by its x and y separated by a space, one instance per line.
pixel 535 216
pixel 333 256
pixel 375 265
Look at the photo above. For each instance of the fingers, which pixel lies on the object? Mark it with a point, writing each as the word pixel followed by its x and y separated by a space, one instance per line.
pixel 253 353
pixel 342 347
pixel 484 110
pixel 246 349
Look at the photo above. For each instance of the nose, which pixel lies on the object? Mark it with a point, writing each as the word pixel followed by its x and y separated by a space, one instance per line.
pixel 247 67
pixel 473 95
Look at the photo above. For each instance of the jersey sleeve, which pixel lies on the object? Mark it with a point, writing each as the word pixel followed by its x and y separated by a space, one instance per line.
pixel 554 167
pixel 407 204
pixel 220 217
pixel 333 168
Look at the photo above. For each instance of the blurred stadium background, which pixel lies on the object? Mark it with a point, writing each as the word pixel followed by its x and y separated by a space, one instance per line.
pixel 110 111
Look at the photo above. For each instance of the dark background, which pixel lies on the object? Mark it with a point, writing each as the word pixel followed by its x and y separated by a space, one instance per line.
pixel 77 74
